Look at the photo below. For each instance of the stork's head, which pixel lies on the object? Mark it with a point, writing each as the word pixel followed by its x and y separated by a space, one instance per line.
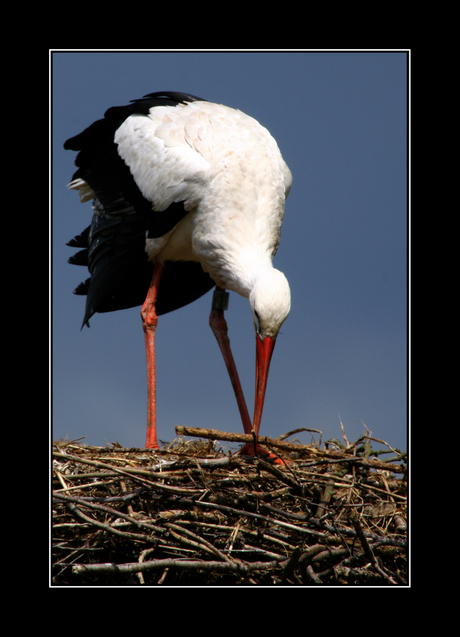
pixel 270 301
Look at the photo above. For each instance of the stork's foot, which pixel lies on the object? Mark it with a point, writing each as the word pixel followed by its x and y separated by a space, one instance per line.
pixel 152 444
pixel 249 449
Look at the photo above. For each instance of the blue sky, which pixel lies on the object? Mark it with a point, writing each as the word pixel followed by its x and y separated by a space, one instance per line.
pixel 340 120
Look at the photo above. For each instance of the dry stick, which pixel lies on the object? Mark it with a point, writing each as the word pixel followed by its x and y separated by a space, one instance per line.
pixel 105 527
pixel 214 434
pixel 195 540
pixel 105 509
pixel 282 477
pixel 163 577
pixel 327 494
pixel 291 564
pixel 135 567
pixel 232 538
pixel 320 525
pixel 197 546
pixel 125 490
pixel 299 430
pixel 225 509
pixel 329 553
pixel 367 549
pixel 313 576
pixel 240 512
pixel 134 474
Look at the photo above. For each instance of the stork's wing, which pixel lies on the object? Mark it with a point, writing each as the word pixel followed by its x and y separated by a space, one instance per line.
pixel 129 203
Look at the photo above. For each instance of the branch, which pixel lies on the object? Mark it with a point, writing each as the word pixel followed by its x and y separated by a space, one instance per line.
pixel 215 434
pixel 367 549
pixel 199 565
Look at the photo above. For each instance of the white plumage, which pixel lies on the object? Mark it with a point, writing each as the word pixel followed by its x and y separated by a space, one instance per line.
pixel 227 173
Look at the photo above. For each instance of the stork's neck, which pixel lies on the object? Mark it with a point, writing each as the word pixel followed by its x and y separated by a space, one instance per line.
pixel 236 243
pixel 240 272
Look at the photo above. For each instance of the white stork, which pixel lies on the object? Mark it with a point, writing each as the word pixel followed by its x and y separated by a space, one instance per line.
pixel 187 195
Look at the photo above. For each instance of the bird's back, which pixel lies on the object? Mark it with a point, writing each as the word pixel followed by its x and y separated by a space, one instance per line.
pixel 113 246
pixel 151 165
pixel 229 172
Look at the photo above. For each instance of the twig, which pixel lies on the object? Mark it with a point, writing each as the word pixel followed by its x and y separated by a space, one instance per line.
pixel 183 564
pixel 105 527
pixel 98 507
pixel 214 434
pixel 313 576
pixel 299 430
pixel 194 540
pixel 367 549
pixel 134 474
pixel 289 569
pixel 257 516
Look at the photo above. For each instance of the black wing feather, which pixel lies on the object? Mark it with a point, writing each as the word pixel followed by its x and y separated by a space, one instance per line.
pixel 114 244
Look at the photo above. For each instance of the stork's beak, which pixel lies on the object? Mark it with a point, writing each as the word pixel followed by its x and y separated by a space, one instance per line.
pixel 264 351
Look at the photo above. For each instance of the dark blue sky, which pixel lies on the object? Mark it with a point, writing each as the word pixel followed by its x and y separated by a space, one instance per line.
pixel 340 120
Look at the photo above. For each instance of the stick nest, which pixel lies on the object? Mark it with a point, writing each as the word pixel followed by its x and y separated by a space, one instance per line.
pixel 193 514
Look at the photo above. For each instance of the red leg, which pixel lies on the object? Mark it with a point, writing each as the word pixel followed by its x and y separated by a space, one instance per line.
pixel 149 323
pixel 218 325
